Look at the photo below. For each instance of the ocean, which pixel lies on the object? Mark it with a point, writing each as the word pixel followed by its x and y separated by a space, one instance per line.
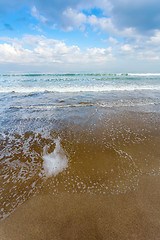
pixel 95 135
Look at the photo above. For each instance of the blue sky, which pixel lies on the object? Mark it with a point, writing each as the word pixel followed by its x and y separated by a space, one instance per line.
pixel 80 36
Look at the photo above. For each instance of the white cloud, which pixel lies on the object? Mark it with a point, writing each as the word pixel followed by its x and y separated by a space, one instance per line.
pixel 106 25
pixel 36 14
pixel 72 18
pixel 126 48
pixel 141 48
pixel 14 53
pixel 155 39
pixel 40 50
pixel 112 40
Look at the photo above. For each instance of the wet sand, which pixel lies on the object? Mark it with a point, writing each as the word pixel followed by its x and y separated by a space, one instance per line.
pixel 110 189
pixel 134 215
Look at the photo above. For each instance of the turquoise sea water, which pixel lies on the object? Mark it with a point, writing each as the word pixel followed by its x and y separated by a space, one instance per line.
pixel 33 96
pixel 26 83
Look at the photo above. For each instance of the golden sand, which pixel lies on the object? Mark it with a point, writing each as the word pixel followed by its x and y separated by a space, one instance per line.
pixel 135 215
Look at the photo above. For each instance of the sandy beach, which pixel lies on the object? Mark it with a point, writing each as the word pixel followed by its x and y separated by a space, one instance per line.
pixel 82 165
pixel 134 215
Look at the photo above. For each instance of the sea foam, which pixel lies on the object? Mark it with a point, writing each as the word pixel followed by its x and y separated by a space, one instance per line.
pixel 77 89
pixel 56 161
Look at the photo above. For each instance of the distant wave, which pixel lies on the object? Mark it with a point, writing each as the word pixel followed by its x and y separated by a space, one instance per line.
pixel 143 74
pixel 59 74
pixel 79 74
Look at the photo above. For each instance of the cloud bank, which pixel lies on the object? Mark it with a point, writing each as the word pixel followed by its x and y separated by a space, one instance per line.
pixel 40 50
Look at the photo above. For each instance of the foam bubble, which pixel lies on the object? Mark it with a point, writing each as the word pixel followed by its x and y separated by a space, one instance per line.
pixel 56 161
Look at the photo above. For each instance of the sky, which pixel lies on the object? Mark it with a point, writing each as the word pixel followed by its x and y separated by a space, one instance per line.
pixel 107 36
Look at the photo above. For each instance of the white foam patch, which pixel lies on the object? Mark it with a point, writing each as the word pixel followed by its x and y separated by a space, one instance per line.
pixel 56 161
pixel 76 89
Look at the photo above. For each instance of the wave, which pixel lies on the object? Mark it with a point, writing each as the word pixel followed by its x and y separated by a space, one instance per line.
pixel 80 89
pixel 144 74
pixel 57 74
pixel 51 107
pixel 78 74
pixel 101 104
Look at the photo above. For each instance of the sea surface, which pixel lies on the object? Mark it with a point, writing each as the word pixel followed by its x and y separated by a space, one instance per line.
pixel 92 134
